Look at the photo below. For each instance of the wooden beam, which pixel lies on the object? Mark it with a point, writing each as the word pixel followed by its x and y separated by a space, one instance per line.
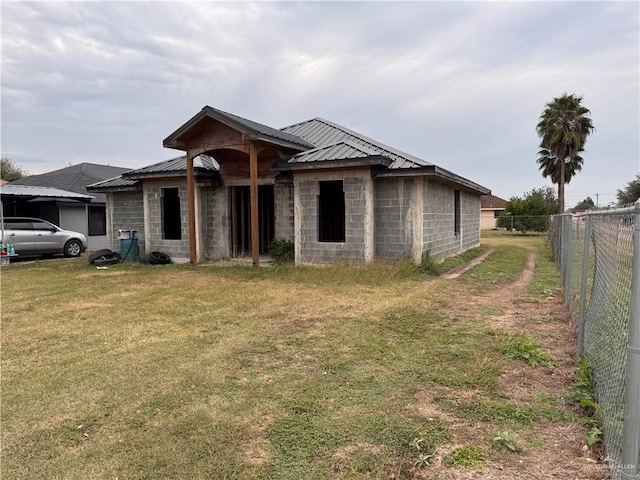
pixel 191 202
pixel 253 176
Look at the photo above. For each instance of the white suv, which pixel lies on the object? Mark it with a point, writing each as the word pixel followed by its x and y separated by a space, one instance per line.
pixel 34 236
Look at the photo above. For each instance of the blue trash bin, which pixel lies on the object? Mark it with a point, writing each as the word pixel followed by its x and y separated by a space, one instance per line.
pixel 129 248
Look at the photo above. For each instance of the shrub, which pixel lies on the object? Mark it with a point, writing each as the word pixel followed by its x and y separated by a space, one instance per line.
pixel 282 251
pixel 428 265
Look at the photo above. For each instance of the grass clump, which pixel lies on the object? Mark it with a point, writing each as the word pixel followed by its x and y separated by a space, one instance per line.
pixel 525 347
pixel 547 276
pixel 505 265
pixel 467 456
pixel 428 265
pixel 543 319
pixel 456 261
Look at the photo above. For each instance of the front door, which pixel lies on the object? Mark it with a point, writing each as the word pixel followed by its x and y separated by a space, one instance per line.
pixel 241 219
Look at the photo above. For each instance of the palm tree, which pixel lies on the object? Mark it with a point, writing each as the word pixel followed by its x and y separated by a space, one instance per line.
pixel 549 165
pixel 563 128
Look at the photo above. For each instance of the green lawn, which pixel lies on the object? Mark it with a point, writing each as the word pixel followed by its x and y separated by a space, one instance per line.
pixel 144 371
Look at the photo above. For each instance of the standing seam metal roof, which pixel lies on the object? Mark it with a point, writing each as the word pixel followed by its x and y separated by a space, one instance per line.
pixel 341 150
pixel 177 164
pixel 322 132
pixel 262 132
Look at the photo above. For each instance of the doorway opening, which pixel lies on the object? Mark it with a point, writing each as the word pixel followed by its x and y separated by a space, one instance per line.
pixel 241 219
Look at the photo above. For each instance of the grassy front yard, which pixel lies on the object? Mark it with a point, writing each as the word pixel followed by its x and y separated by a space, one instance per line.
pixel 145 371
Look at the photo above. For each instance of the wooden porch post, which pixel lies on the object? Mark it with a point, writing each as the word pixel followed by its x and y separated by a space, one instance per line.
pixel 253 176
pixel 191 201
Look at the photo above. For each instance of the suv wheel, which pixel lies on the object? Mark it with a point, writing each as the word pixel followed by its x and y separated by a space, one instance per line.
pixel 73 248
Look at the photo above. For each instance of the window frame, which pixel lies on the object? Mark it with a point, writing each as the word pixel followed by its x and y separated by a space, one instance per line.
pixel 332 223
pixel 173 211
pixel 91 230
pixel 456 213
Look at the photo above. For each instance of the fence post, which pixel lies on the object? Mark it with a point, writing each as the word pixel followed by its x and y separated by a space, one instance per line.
pixel 583 288
pixel 567 265
pixel 631 429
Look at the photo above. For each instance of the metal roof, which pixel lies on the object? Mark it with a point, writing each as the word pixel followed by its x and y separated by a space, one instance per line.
pixel 174 166
pixel 11 190
pixel 114 184
pixel 243 125
pixel 342 151
pixel 203 164
pixel 322 132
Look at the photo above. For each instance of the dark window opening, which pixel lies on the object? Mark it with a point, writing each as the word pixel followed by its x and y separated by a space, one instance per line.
pixel 331 212
pixel 456 214
pixel 171 225
pixel 97 221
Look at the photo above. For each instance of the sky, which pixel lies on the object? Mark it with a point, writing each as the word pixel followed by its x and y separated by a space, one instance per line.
pixel 459 84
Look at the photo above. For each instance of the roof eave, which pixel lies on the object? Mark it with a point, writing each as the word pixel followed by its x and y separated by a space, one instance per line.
pixel 122 188
pixel 371 161
pixel 437 172
pixel 199 172
pixel 172 140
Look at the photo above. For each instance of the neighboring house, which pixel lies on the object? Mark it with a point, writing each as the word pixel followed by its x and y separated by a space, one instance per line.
pixel 68 213
pixel 491 208
pixel 336 194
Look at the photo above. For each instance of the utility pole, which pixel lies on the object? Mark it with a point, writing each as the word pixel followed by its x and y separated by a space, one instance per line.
pixel 597 203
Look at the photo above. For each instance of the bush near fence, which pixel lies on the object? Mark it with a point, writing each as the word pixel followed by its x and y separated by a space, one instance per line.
pixel 523 223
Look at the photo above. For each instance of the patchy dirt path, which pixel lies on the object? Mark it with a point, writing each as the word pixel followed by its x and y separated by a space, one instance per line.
pixel 465 268
pixel 550 449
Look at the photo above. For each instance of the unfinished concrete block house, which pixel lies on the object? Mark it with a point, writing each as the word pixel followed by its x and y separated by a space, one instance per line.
pixel 336 194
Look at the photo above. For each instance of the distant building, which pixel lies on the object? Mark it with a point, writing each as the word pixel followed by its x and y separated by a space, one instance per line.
pixel 491 207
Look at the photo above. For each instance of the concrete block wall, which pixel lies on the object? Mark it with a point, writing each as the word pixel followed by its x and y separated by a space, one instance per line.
pixel 283 197
pixel 470 220
pixel 126 213
pixel 178 250
pixel 439 217
pixel 354 249
pixel 393 218
pixel 215 215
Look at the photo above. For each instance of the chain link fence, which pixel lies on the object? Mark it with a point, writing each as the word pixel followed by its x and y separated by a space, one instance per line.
pixel 599 260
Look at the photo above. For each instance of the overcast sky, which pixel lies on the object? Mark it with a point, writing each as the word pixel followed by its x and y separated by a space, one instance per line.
pixel 458 84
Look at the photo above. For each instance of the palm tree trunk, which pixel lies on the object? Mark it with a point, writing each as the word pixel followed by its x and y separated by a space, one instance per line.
pixel 561 186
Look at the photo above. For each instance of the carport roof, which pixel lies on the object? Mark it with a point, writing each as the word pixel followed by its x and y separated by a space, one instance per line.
pixel 10 190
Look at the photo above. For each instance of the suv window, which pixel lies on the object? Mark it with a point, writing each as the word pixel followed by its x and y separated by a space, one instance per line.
pixel 17 224
pixel 42 226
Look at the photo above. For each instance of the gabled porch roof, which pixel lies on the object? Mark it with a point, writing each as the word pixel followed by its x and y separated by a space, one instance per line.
pixel 249 129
